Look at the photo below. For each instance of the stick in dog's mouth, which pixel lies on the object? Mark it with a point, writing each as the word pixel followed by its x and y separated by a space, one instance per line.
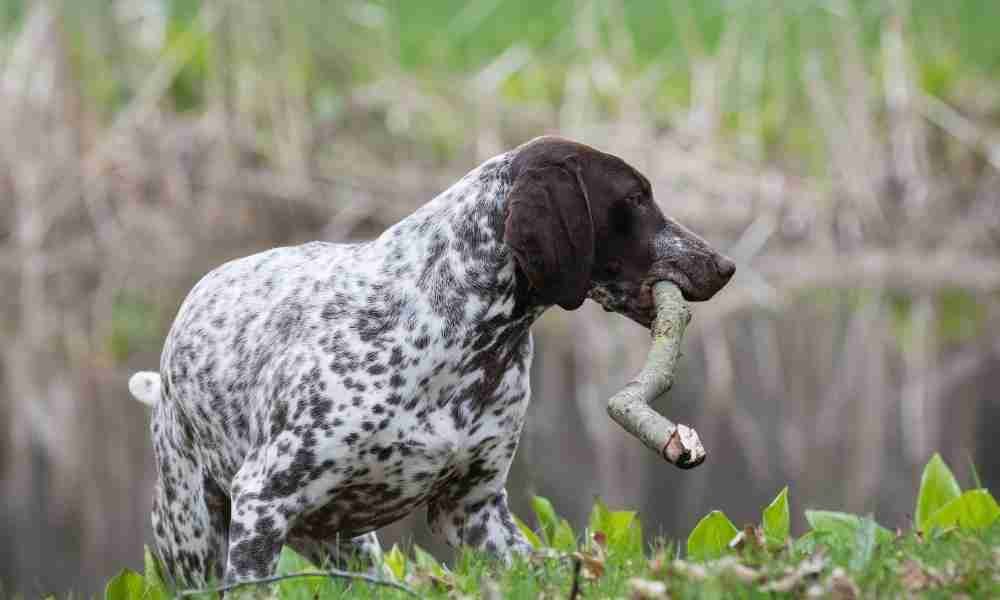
pixel 677 444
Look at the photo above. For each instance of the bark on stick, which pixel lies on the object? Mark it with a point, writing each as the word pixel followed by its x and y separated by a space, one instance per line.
pixel 677 444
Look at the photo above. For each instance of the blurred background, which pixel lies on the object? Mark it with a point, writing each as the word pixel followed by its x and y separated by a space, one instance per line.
pixel 846 153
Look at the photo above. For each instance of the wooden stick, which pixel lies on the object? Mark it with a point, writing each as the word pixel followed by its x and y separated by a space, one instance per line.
pixel 677 444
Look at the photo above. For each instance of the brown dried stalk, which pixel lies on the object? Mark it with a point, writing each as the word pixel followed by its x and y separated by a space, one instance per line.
pixel 677 444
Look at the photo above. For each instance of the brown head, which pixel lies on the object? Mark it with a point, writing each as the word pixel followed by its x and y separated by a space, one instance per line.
pixel 582 223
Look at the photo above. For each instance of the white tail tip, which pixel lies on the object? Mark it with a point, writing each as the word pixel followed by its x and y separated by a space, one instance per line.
pixel 145 387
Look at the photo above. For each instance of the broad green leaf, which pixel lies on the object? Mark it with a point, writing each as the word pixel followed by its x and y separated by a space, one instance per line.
pixel 290 561
pixel 808 542
pixel 395 561
pixel 710 536
pixel 548 521
pixel 975 509
pixel 937 488
pixel 843 527
pixel 127 585
pixel 599 517
pixel 155 588
pixel 628 539
pixel 426 561
pixel 777 520
pixel 528 533
pixel 864 543
pixel 563 538
pixel 622 528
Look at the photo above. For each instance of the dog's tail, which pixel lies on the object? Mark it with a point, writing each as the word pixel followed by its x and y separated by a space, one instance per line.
pixel 146 387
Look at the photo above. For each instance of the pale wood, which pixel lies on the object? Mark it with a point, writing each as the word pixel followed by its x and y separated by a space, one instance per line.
pixel 677 444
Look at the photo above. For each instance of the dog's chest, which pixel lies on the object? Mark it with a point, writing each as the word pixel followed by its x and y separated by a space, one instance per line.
pixel 446 400
pixel 454 424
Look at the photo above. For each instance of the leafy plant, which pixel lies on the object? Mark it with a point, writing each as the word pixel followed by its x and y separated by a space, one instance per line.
pixel 843 527
pixel 556 532
pixel 975 509
pixel 129 585
pixel 941 503
pixel 395 561
pixel 711 536
pixel 621 529
pixel 776 520
pixel 529 534
pixel 937 488
pixel 839 552
pixel 126 585
pixel 715 532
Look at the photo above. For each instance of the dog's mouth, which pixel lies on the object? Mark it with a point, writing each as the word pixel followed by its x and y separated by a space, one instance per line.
pixel 636 301
pixel 688 288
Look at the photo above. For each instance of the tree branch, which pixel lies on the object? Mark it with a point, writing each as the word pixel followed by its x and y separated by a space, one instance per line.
pixel 677 444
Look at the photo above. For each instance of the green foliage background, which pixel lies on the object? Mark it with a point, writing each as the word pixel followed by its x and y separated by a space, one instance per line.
pixel 329 48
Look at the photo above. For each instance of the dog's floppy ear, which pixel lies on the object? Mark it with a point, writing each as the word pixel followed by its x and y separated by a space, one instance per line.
pixel 551 232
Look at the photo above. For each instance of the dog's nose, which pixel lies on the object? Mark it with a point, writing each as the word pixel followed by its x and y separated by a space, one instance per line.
pixel 725 267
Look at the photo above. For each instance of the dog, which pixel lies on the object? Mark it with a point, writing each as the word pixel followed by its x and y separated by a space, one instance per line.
pixel 310 395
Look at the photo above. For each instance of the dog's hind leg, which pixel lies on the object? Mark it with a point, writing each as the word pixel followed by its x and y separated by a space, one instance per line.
pixel 190 512
pixel 264 506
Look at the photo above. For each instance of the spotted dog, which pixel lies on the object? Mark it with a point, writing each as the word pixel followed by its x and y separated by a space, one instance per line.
pixel 313 394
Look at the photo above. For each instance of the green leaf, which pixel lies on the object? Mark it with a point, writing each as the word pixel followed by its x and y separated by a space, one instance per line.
pixel 290 561
pixel 127 585
pixel 843 527
pixel 865 541
pixel 627 538
pixel 975 473
pixel 528 533
pixel 599 517
pixel 155 588
pixel 777 520
pixel 622 528
pixel 975 509
pixel 427 562
pixel 710 536
pixel 937 488
pixel 808 543
pixel 563 538
pixel 548 521
pixel 395 560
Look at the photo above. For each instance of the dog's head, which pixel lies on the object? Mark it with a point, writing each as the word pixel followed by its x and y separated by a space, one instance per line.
pixel 582 223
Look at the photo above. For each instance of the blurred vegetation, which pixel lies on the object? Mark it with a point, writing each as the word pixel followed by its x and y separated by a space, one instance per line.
pixel 844 152
pixel 136 326
pixel 324 51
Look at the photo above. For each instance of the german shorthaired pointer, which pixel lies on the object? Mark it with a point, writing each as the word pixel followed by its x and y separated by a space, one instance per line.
pixel 310 395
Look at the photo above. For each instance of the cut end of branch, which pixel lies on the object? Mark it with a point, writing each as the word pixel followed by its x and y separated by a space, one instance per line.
pixel 684 448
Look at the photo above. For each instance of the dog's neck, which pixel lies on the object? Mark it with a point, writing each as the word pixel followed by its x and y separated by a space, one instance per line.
pixel 466 269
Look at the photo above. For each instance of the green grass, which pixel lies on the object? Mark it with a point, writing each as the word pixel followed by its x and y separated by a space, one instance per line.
pixel 954 549
pixel 941 565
